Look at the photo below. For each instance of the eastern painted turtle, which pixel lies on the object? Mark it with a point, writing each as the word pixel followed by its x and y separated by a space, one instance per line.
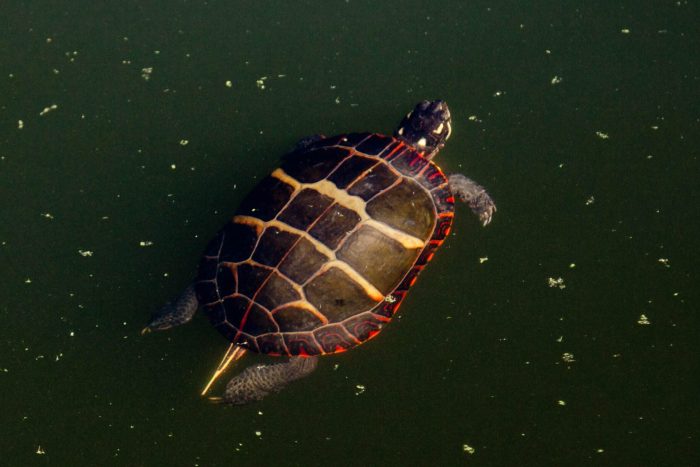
pixel 322 252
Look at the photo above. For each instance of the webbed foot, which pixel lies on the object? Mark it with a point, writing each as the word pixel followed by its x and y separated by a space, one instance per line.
pixel 256 382
pixel 175 313
pixel 474 195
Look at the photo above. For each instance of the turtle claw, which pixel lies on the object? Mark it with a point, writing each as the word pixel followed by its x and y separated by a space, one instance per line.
pixel 474 195
pixel 487 214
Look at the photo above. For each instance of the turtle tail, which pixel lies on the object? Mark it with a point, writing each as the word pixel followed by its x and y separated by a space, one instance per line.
pixel 256 382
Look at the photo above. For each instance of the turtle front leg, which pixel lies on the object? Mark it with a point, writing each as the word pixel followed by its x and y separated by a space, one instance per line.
pixel 474 195
pixel 174 313
pixel 256 382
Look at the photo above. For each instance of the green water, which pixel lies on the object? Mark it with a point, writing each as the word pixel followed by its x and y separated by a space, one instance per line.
pixel 581 118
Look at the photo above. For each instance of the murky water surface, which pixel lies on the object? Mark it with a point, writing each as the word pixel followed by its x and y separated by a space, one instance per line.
pixel 565 333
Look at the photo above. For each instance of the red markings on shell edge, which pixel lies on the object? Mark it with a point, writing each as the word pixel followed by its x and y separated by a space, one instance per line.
pixel 442 229
pixel 410 163
pixel 333 337
pixel 301 343
pixel 365 325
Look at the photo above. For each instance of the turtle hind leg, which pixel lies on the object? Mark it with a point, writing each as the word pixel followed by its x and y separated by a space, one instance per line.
pixel 474 195
pixel 256 382
pixel 174 313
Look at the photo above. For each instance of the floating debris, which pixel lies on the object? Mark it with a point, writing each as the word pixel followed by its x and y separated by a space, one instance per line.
pixel 568 357
pixel 360 389
pixel 20 124
pixel 602 135
pixel 85 253
pixel 47 215
pixel 665 261
pixel 146 73
pixel 643 320
pixel 499 93
pixel 561 402
pixel 48 109
pixel 483 259
pixel 625 31
pixel 229 83
pixel 145 243
pixel 468 449
pixel 556 80
pixel 590 200
pixel 184 142
pixel 558 282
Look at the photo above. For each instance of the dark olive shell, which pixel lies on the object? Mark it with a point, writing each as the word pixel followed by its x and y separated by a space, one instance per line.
pixel 321 253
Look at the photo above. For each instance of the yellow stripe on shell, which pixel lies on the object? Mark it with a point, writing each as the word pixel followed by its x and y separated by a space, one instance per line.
pixel 354 203
pixel 333 261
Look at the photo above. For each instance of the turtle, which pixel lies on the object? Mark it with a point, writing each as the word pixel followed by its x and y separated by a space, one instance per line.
pixel 321 253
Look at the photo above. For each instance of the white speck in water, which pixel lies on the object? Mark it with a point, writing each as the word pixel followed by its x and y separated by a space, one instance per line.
pixel 20 124
pixel 558 282
pixel 602 135
pixel 665 261
pixel 85 253
pixel 483 259
pixel 48 109
pixel 556 80
pixel 229 83
pixel 145 243
pixel 643 320
pixel 568 357
pixel 468 449
pixel 184 142
pixel 590 200
pixel 360 389
pixel 146 73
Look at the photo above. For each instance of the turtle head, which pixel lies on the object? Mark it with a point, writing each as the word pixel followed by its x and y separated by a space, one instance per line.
pixel 426 128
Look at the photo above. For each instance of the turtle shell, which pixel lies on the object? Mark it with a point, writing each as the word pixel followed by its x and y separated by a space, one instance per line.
pixel 321 253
